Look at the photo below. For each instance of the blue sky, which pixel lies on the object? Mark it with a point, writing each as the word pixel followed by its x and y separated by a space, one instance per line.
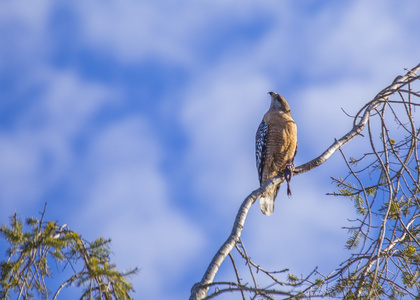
pixel 135 120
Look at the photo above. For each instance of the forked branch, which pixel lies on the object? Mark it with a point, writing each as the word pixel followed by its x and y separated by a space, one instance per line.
pixel 199 290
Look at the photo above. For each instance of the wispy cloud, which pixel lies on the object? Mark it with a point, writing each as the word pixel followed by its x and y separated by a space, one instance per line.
pixel 96 149
pixel 38 149
pixel 127 199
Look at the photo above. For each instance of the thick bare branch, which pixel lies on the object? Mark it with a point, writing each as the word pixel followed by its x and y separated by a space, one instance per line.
pixel 199 290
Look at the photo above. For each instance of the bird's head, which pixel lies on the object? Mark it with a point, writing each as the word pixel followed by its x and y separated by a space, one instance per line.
pixel 279 103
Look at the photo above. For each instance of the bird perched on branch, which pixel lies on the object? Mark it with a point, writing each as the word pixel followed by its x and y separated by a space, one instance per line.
pixel 275 148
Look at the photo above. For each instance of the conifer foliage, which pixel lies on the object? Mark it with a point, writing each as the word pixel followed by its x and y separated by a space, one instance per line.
pixel 40 249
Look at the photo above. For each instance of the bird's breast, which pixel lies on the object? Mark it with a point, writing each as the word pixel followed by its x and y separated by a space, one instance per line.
pixel 281 143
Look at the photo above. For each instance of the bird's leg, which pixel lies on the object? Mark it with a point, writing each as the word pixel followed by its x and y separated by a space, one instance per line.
pixel 288 173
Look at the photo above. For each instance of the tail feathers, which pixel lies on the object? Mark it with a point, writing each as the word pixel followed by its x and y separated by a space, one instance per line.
pixel 267 202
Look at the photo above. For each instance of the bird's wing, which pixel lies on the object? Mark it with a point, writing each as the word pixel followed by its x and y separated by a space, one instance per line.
pixel 261 147
pixel 294 155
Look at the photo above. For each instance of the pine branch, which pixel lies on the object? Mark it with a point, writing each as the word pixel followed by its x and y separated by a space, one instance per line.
pixel 30 252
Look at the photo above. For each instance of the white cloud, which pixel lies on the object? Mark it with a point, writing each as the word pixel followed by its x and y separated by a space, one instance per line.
pixel 135 31
pixel 366 40
pixel 218 115
pixel 128 200
pixel 41 141
pixel 304 232
pixel 23 28
pixel 321 106
pixel 20 11
pixel 18 166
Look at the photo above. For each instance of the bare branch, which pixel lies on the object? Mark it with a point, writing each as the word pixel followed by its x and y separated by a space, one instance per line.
pixel 199 290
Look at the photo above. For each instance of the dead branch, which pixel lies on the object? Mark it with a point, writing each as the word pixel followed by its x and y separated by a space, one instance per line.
pixel 199 290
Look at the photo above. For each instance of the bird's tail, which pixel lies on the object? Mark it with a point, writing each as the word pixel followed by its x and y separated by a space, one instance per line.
pixel 267 202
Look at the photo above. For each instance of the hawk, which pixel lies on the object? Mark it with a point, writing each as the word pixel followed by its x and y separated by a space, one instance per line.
pixel 275 147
